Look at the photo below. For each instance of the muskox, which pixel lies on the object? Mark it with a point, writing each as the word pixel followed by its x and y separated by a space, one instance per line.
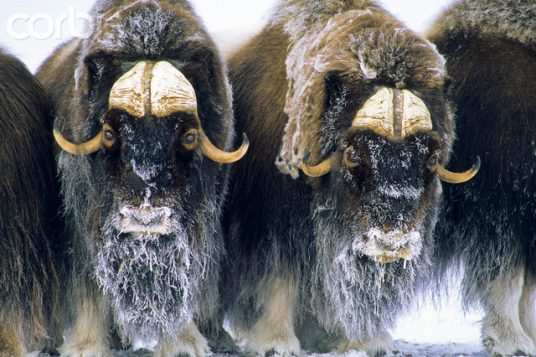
pixel 143 119
pixel 30 232
pixel 350 106
pixel 489 225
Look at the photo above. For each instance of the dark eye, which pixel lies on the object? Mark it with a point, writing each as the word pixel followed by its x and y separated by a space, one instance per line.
pixel 351 157
pixel 109 136
pixel 189 139
pixel 432 161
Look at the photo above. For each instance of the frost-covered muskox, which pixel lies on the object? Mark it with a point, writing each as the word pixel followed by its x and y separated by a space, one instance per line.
pixel 29 231
pixel 490 224
pixel 350 106
pixel 143 116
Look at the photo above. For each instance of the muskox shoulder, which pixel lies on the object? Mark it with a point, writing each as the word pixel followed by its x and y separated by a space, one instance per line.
pixel 493 84
pixel 510 19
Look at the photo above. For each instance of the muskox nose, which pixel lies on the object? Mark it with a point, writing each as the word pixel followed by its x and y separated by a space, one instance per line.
pixel 386 228
pixel 145 220
pixel 390 246
pixel 391 239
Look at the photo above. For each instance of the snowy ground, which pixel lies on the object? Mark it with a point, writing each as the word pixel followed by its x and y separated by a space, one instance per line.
pixel 426 331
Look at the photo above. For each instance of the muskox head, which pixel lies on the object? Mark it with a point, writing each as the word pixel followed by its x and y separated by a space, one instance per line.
pixel 369 119
pixel 385 173
pixel 144 179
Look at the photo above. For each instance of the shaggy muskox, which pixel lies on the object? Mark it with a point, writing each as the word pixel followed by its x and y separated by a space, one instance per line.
pixel 344 93
pixel 29 200
pixel 138 107
pixel 489 225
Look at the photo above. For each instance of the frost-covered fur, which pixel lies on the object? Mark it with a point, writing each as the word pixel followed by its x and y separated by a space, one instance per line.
pixel 487 226
pixel 353 293
pixel 154 282
pixel 340 239
pixel 511 19
pixel 353 37
pixel 143 217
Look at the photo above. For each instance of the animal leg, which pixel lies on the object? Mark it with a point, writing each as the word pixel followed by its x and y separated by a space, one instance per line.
pixel 89 336
pixel 502 332
pixel 527 306
pixel 274 331
pixel 188 342
pixel 380 344
pixel 11 344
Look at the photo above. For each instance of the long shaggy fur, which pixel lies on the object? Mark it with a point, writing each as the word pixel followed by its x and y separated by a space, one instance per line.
pixel 513 20
pixel 488 224
pixel 354 37
pixel 350 293
pixel 297 86
pixel 29 230
pixel 151 285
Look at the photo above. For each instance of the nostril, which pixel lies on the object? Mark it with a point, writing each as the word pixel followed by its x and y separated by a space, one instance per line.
pixel 157 201
pixel 386 228
pixel 384 245
pixel 136 201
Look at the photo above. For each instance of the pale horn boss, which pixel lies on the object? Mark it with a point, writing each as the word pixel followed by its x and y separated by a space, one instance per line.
pixel 395 114
pixel 161 90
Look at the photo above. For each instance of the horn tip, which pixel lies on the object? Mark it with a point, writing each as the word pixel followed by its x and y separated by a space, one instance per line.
pixel 245 140
pixel 476 165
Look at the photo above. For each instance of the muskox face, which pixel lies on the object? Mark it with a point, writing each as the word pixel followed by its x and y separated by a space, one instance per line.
pixel 156 210
pixel 386 187
pixel 383 188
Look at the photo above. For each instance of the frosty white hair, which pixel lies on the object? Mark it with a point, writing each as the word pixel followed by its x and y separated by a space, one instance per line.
pixel 355 294
pixel 511 19
pixel 152 280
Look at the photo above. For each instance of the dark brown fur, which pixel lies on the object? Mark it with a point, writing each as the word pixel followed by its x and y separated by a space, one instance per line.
pixel 78 78
pixel 489 224
pixel 277 224
pixel 29 229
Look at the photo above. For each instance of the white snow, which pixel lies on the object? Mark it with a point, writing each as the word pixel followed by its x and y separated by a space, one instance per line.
pixel 351 353
pixel 440 326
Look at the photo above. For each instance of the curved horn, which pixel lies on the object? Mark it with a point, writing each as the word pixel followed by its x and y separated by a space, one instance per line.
pixel 453 177
pixel 321 169
pixel 212 152
pixel 89 147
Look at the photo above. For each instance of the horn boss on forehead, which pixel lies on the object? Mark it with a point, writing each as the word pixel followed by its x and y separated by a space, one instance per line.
pixel 394 114
pixel 129 92
pixel 171 91
pixel 157 89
